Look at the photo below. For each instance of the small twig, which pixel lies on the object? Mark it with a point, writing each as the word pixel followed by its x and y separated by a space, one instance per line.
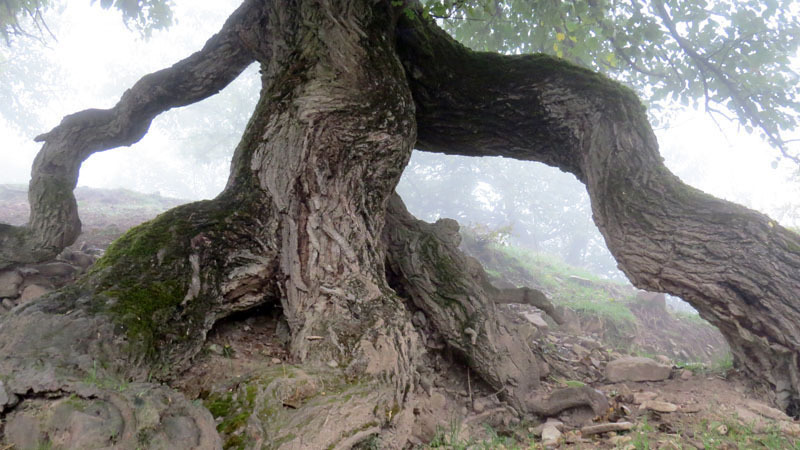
pixel 469 389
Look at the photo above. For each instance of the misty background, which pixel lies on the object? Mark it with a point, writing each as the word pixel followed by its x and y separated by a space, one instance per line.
pixel 94 58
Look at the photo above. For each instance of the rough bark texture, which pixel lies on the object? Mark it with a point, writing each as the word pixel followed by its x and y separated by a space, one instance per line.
pixel 54 222
pixel 452 290
pixel 308 220
pixel 736 266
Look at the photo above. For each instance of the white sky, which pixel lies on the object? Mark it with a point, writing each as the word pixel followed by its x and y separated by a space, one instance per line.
pixel 101 59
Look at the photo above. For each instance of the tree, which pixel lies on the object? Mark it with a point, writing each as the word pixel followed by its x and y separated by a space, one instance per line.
pixel 309 220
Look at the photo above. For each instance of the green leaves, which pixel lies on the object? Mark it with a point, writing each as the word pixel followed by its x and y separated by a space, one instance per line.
pixel 730 57
pixel 24 17
pixel 142 15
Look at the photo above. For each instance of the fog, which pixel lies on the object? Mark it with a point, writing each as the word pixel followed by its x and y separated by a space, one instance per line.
pixel 186 153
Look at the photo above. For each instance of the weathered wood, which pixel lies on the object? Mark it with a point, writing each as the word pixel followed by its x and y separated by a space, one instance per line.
pixel 739 268
pixel 54 222
pixel 605 428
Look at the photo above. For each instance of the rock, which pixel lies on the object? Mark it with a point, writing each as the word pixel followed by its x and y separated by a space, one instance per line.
pixel 10 280
pixel 481 404
pixel 333 364
pixel 579 351
pixel 8 304
pixel 437 401
pixel 555 423
pixel 535 319
pixel 419 319
pixel 605 428
pixel 659 406
pixel 23 432
pixel 550 435
pixel 580 281
pixel 761 425
pixel 79 259
pixel 686 374
pixel 276 361
pixel 618 441
pixel 32 292
pixel 636 368
pixel 766 411
pixel 56 269
pixel 7 400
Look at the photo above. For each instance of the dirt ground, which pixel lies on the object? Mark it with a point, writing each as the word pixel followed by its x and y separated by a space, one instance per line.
pixel 715 409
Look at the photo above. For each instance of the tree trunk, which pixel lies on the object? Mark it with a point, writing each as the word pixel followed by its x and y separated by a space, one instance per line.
pixel 740 269
pixel 307 219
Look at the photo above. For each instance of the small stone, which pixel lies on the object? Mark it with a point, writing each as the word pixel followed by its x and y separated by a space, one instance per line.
pixel 659 406
pixel 276 361
pixel 550 436
pixel 32 292
pixel 10 281
pixel 481 404
pixel 555 423
pixel 766 411
pixel 419 319
pixel 438 401
pixel 333 364
pixel 535 319
pixel 579 351
pixel 641 397
pixel 636 368
pixel 56 269
pixel 686 374
pixel 619 440
pixel 7 400
pixel 80 259
pixel 8 303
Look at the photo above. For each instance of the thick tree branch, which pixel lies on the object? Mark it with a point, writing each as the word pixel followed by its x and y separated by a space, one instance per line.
pixel 54 222
pixel 736 266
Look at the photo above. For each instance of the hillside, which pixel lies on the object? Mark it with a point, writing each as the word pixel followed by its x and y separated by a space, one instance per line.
pixel 691 397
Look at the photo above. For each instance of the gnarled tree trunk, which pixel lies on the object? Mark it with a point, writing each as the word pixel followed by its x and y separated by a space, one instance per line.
pixel 307 220
pixel 736 266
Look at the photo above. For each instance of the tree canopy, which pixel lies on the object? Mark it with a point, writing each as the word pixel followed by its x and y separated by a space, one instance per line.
pixel 733 58
pixel 24 17
pixel 310 223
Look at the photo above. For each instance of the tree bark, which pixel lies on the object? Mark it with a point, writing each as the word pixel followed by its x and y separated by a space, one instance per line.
pixel 54 223
pixel 739 268
pixel 307 218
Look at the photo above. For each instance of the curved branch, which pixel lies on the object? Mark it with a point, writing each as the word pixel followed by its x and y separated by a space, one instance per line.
pixel 54 222
pixel 739 268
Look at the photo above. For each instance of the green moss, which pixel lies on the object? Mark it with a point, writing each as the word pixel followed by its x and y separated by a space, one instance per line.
pixel 219 405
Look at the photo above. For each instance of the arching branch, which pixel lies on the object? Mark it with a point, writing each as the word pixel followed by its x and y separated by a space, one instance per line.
pixel 54 222
pixel 739 268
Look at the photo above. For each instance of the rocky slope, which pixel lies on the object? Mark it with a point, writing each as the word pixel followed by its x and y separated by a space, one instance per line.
pixel 600 392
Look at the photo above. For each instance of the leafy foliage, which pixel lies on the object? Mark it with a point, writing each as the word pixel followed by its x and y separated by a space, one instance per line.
pixel 731 57
pixel 24 17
